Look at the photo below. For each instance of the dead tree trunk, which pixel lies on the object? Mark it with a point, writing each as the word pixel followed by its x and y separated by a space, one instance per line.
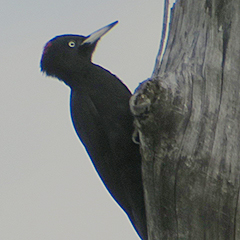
pixel 188 119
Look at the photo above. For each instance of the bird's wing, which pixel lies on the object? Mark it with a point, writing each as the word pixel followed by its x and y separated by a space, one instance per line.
pixel 89 128
pixel 115 157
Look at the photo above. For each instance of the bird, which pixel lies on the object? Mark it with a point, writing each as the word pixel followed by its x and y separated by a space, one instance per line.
pixel 99 106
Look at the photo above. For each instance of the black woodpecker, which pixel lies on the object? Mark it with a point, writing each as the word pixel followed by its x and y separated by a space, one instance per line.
pixel 101 116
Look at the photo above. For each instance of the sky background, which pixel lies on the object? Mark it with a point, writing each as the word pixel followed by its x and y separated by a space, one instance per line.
pixel 49 189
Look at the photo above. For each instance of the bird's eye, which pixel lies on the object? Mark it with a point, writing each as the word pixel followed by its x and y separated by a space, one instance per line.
pixel 71 44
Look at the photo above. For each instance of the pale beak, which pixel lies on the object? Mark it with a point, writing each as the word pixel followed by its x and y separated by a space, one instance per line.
pixel 95 36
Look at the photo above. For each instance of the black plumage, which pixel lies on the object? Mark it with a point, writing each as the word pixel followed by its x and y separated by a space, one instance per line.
pixel 101 117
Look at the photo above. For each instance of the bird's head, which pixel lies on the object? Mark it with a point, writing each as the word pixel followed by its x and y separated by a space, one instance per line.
pixel 66 53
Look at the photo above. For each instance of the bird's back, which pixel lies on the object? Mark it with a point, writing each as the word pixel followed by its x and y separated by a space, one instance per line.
pixel 102 120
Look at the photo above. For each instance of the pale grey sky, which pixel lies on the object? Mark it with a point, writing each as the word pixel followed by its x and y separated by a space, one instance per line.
pixel 49 189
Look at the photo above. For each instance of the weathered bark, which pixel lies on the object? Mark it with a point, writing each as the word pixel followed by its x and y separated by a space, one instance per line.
pixel 188 119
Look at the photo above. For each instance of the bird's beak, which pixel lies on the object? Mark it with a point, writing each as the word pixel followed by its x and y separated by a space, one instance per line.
pixel 95 36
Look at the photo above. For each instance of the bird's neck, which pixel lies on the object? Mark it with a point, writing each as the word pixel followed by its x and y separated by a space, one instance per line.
pixel 78 78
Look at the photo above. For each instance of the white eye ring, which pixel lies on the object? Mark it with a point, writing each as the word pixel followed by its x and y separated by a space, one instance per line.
pixel 71 44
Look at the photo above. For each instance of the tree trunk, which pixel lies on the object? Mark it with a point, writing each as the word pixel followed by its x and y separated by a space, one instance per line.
pixel 188 120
